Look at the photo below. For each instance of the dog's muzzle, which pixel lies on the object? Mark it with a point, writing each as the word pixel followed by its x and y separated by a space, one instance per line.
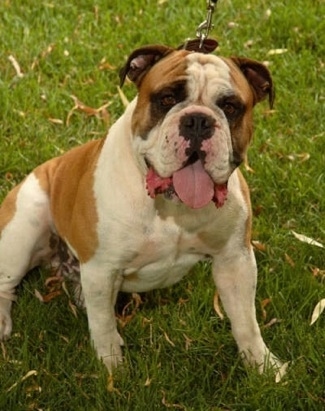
pixel 191 183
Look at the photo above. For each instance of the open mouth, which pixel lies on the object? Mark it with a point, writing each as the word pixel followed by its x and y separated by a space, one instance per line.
pixel 191 184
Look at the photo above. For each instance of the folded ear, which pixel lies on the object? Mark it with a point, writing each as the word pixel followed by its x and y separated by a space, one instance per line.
pixel 259 78
pixel 141 60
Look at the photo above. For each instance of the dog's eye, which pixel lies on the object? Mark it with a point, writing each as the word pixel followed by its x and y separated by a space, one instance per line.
pixel 229 109
pixel 166 97
pixel 232 107
pixel 168 100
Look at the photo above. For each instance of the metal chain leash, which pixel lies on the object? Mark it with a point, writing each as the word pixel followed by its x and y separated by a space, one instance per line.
pixel 203 29
pixel 202 43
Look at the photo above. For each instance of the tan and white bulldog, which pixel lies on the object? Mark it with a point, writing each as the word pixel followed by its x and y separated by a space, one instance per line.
pixel 141 207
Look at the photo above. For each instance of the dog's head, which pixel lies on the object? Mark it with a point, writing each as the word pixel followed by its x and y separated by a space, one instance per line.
pixel 192 122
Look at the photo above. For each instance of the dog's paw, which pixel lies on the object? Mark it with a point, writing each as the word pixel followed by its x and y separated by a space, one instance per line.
pixel 273 364
pixel 5 319
pixel 114 359
pixel 265 361
pixel 270 362
pixel 112 355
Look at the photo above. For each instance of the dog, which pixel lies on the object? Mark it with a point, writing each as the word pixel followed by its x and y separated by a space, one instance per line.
pixel 136 210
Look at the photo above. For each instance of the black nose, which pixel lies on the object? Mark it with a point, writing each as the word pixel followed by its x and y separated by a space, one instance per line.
pixel 196 126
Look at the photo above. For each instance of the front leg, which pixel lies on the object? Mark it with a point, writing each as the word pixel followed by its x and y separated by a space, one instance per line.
pixel 235 275
pixel 100 287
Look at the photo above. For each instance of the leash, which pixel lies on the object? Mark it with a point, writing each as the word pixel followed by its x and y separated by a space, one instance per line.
pixel 202 43
pixel 204 28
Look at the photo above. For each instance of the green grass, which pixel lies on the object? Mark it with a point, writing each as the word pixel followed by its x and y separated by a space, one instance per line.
pixel 179 354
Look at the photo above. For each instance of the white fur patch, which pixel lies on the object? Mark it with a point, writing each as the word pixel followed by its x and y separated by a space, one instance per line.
pixel 21 233
pixel 208 78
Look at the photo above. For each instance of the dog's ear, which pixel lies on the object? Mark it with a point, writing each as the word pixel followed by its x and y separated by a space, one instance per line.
pixel 259 78
pixel 141 60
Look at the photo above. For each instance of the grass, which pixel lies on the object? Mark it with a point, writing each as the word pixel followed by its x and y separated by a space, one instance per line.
pixel 179 354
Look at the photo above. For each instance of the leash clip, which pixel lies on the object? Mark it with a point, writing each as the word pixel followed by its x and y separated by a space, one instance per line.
pixel 203 44
pixel 204 28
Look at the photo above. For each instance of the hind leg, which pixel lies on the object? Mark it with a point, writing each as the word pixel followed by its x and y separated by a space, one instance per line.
pixel 24 234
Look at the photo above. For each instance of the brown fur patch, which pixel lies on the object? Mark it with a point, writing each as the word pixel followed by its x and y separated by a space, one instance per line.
pixel 8 207
pixel 68 180
pixel 246 195
pixel 242 132
pixel 171 69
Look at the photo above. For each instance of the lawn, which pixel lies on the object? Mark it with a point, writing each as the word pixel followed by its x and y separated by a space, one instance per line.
pixel 59 66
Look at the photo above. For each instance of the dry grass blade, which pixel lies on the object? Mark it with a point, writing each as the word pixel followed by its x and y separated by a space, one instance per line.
pixel 271 322
pixel 308 240
pixel 289 260
pixel 55 121
pixel 258 245
pixel 216 306
pixel 123 97
pixel 169 405
pixel 167 338
pixel 44 53
pixel 29 374
pixel 148 382
pixel 318 273
pixel 16 66
pixel 188 342
pixel 4 351
pixel 132 305
pixel 248 168
pixel 105 65
pixel 273 52
pixel 110 385
pixel 47 297
pixel 319 308
pixel 100 112
pixel 264 304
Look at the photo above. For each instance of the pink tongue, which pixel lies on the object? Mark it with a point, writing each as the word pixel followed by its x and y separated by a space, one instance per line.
pixel 193 185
